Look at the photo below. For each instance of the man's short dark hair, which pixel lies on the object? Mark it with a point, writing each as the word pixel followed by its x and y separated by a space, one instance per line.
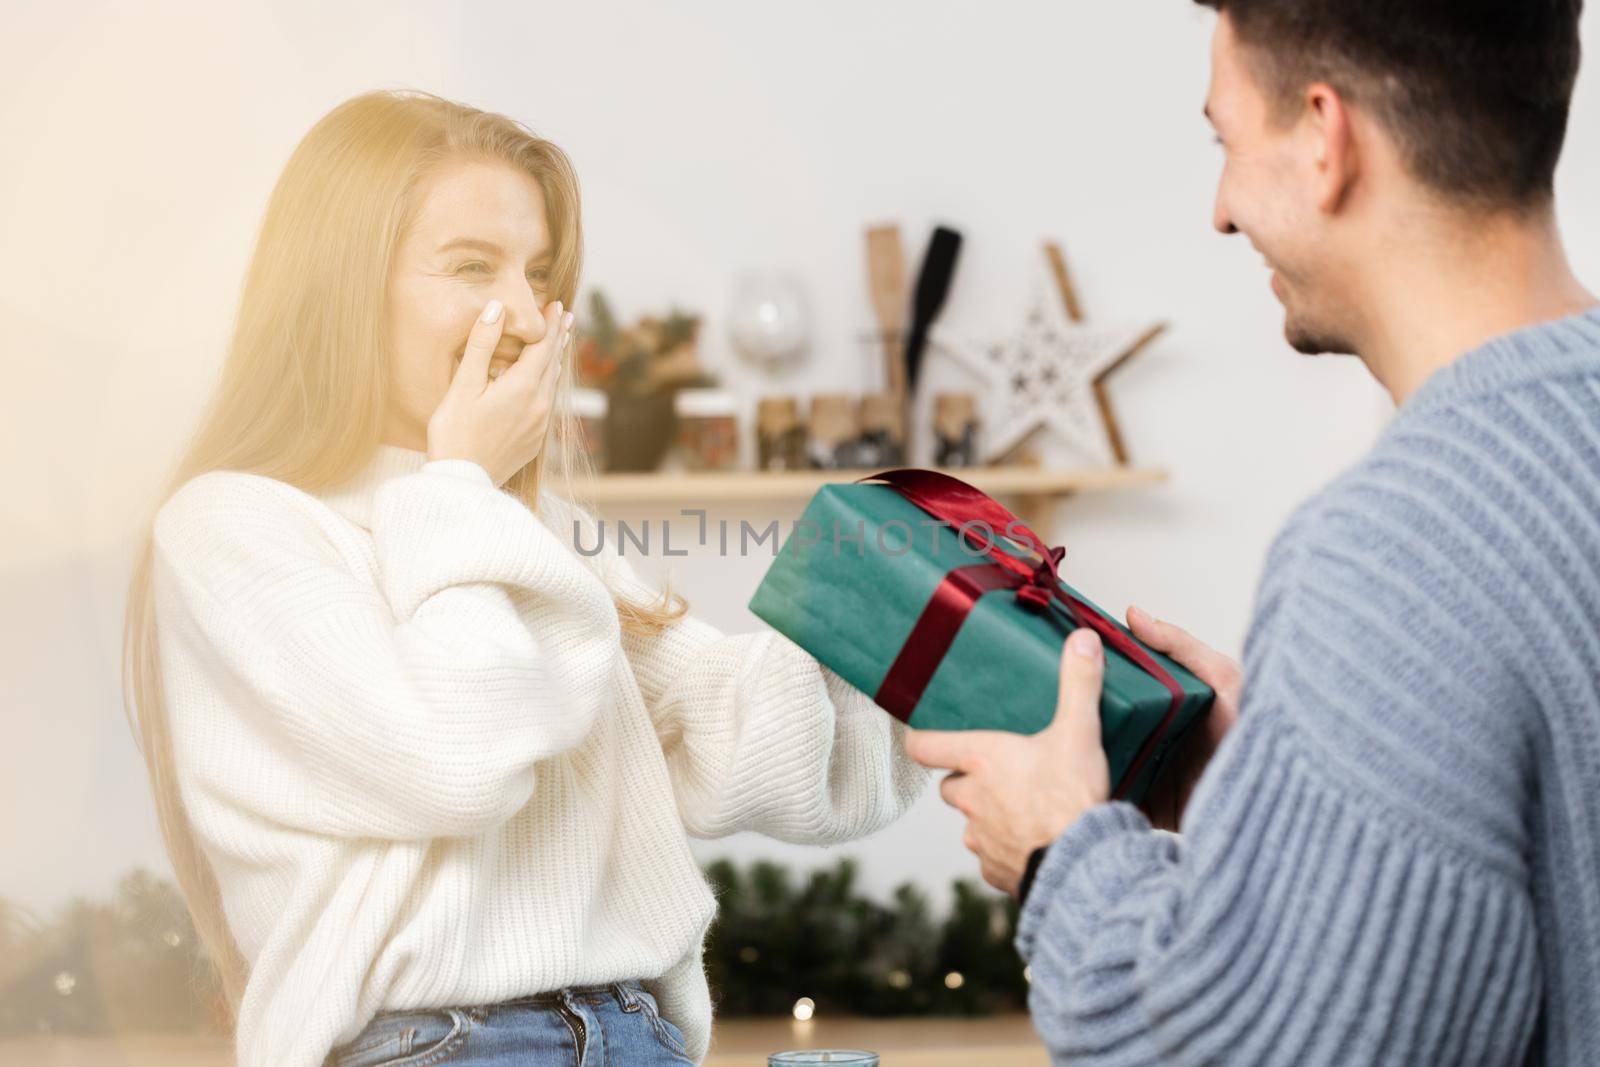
pixel 1475 92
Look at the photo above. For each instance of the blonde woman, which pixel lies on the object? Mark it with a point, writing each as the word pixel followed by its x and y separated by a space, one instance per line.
pixel 426 773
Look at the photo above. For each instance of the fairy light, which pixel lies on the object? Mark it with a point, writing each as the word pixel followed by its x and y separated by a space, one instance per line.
pixel 804 1009
pixel 954 980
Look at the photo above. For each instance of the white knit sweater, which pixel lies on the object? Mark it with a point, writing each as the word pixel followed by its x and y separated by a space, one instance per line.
pixel 429 768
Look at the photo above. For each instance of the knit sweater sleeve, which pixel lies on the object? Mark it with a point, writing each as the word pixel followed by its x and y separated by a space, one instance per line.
pixel 1351 884
pixel 417 707
pixel 760 736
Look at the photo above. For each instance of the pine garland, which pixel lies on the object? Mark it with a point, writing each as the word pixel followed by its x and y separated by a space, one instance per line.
pixel 773 944
pixel 134 963
pixel 131 964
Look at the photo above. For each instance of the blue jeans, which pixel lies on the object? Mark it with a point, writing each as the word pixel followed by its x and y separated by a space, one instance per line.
pixel 588 1027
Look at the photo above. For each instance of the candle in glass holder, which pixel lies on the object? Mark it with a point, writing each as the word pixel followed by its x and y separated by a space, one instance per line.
pixel 838 1057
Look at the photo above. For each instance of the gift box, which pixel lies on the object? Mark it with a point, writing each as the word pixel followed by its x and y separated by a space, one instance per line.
pixel 925 593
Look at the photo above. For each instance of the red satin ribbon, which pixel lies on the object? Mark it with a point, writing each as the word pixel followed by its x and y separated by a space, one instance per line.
pixel 1037 585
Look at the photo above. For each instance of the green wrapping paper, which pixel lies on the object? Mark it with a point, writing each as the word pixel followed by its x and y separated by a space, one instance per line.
pixel 859 570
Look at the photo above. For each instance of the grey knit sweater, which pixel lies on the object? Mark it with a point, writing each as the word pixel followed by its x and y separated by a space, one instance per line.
pixel 1395 856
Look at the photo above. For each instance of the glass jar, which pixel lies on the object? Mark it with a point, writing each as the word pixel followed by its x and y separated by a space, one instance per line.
pixel 837 1057
pixel 708 429
pixel 589 418
pixel 831 443
pixel 780 438
pixel 955 430
pixel 882 442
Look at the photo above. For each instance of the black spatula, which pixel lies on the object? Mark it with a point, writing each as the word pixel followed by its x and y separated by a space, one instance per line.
pixel 933 285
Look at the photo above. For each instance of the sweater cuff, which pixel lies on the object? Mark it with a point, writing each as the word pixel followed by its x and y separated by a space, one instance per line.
pixel 461 468
pixel 1104 822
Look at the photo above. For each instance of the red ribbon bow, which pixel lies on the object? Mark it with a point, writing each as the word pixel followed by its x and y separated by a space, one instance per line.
pixel 1037 585
pixel 1037 593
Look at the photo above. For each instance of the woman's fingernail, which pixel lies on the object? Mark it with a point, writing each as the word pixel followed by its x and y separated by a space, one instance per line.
pixel 491 311
pixel 1139 615
pixel 566 321
pixel 1085 643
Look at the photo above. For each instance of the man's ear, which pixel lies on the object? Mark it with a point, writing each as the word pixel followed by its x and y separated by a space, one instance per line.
pixel 1335 160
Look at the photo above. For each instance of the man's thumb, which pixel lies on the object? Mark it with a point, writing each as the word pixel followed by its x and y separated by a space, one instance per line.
pixel 1082 670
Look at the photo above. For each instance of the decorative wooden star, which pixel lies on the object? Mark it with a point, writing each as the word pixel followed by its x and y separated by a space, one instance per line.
pixel 1051 372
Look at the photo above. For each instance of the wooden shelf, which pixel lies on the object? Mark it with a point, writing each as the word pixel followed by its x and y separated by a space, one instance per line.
pixel 711 487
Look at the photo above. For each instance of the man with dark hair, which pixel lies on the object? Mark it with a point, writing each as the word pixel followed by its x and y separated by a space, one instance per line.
pixel 1394 855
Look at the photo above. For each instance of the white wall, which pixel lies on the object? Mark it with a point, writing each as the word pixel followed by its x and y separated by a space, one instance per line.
pixel 142 140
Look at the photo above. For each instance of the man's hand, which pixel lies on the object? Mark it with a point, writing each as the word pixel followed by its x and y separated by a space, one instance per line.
pixel 1020 792
pixel 1167 799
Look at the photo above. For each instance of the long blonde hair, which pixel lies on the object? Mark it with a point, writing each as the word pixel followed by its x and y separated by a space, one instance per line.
pixel 303 391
